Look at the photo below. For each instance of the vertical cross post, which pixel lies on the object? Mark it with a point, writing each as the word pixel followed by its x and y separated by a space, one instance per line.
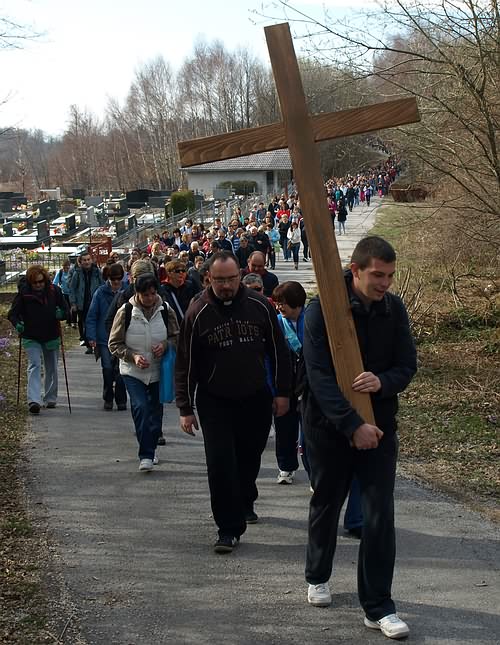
pixel 320 234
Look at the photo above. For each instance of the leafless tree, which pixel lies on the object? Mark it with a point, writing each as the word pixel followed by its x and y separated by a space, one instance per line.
pixel 447 54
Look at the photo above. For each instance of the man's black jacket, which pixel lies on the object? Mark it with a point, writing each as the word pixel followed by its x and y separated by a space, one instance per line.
pixel 387 350
pixel 223 349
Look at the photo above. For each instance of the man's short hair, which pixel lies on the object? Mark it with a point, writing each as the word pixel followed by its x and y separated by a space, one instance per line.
pixel 223 256
pixel 254 254
pixel 290 293
pixel 204 268
pixel 370 247
pixel 253 278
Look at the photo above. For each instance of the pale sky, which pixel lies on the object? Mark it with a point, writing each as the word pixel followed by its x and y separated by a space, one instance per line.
pixel 90 49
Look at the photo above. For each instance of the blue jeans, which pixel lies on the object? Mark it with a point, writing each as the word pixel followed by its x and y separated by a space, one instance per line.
pixel 353 516
pixel 34 354
pixel 147 413
pixel 295 252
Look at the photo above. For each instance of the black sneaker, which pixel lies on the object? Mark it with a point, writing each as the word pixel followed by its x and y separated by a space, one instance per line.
pixel 34 408
pixel 108 406
pixel 161 441
pixel 226 543
pixel 89 350
pixel 355 532
pixel 121 406
pixel 251 517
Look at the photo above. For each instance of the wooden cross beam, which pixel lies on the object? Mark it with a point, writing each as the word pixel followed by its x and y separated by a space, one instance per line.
pixel 299 132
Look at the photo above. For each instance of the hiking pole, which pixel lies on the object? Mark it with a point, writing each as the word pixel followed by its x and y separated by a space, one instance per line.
pixel 19 371
pixel 64 366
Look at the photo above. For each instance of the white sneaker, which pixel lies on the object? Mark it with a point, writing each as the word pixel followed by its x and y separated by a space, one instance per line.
pixel 285 477
pixel 156 459
pixel 391 626
pixel 319 595
pixel 146 465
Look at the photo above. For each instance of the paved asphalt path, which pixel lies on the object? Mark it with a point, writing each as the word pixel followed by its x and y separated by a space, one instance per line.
pixel 135 550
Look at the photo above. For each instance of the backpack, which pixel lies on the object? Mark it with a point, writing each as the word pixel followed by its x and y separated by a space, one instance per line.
pixel 128 314
pixel 300 385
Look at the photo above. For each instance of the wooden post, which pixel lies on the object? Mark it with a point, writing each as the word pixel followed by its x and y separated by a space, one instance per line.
pixel 320 234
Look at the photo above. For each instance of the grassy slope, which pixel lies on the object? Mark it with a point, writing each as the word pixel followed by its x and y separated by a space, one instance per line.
pixel 450 415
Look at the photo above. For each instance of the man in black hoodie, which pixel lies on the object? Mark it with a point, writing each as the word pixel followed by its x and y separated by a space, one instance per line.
pixel 226 337
pixel 341 444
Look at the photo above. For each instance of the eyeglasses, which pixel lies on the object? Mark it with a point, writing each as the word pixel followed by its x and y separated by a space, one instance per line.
pixel 229 280
pixel 178 271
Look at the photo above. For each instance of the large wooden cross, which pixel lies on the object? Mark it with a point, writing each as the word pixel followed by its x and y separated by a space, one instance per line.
pixel 299 132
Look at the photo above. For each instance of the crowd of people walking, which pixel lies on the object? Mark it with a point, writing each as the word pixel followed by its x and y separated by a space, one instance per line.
pixel 209 301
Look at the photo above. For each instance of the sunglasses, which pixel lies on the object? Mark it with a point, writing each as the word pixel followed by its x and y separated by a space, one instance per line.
pixel 178 271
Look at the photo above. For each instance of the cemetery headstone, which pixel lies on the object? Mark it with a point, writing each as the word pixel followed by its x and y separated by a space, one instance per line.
pixel 94 200
pixel 121 228
pixel 70 223
pixel 42 228
pixel 90 217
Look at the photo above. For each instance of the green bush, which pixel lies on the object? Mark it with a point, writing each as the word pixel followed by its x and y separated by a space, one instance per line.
pixel 240 187
pixel 181 200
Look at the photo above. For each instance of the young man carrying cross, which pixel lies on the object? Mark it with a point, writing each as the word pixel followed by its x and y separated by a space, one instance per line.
pixel 341 444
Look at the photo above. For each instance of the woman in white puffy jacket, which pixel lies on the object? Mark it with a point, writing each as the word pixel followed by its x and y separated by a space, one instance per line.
pixel 141 333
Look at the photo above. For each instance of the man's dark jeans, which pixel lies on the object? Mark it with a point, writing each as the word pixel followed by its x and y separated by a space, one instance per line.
pixel 333 464
pixel 235 433
pixel 287 437
pixel 113 385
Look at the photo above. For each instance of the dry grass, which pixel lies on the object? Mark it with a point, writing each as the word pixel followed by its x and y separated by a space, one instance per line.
pixel 22 600
pixel 450 415
pixel 28 613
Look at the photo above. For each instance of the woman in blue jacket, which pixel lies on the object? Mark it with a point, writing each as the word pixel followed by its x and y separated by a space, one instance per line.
pixel 290 299
pixel 113 385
